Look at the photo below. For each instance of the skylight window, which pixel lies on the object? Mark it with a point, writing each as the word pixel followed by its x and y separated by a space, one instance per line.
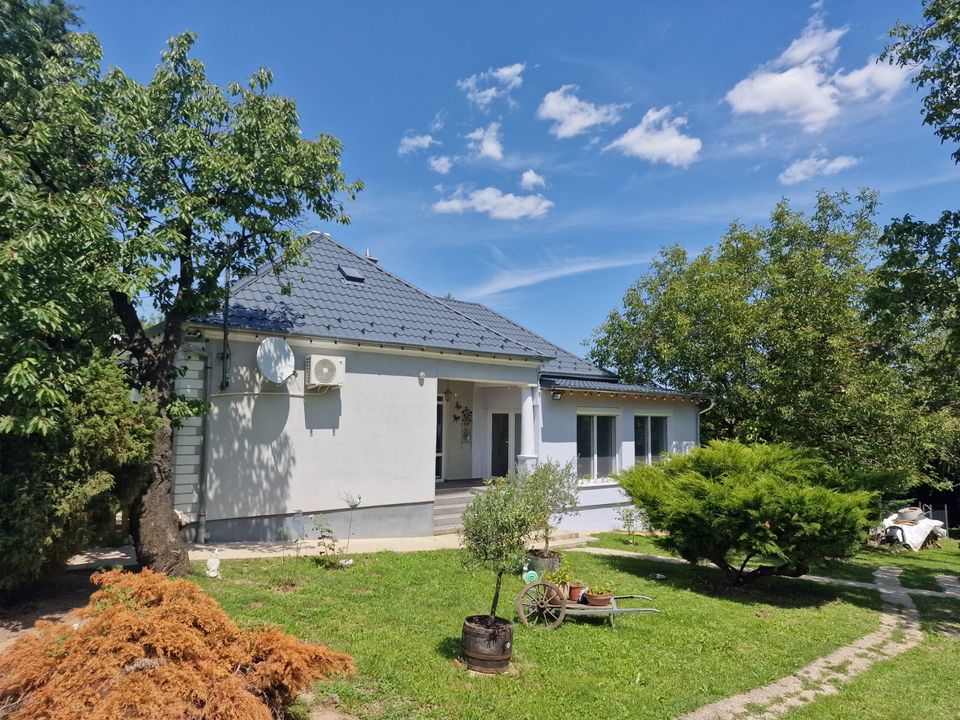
pixel 351 273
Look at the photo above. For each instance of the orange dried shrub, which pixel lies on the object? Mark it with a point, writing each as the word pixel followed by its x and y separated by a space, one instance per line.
pixel 154 648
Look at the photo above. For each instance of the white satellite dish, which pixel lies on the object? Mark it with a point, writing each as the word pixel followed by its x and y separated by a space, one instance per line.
pixel 275 360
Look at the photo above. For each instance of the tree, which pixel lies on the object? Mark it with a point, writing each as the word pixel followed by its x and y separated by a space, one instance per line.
pixel 496 525
pixel 771 324
pixel 60 490
pixel 932 50
pixel 551 491
pixel 208 183
pixel 732 503
pixel 72 444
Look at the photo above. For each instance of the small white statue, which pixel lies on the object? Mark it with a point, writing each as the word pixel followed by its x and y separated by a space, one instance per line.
pixel 213 564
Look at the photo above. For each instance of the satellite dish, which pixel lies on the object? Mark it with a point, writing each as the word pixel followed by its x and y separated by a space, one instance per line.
pixel 275 360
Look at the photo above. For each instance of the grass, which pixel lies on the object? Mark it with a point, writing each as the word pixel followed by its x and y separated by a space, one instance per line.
pixel 919 568
pixel 918 683
pixel 400 617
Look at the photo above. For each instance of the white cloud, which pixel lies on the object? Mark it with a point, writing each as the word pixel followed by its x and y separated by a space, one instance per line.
pixel 802 94
pixel 442 164
pixel 512 279
pixel 659 138
pixel 486 142
pixel 530 180
pixel 572 116
pixel 483 88
pixel 880 79
pixel 801 170
pixel 439 120
pixel 798 85
pixel 415 143
pixel 816 44
pixel 495 203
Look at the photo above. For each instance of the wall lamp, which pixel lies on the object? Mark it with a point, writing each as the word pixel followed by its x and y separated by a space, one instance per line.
pixel 557 395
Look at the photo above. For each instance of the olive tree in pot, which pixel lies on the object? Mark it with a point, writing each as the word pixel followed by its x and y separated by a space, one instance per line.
pixel 551 492
pixel 496 525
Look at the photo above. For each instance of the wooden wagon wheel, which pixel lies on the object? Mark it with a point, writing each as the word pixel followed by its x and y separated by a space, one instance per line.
pixel 541 601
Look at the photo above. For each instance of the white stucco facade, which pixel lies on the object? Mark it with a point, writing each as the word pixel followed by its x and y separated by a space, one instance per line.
pixel 267 452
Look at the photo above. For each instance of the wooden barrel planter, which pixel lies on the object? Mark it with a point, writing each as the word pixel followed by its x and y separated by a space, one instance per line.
pixel 543 563
pixel 487 647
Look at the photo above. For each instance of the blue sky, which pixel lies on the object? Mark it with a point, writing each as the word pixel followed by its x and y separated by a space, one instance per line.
pixel 534 156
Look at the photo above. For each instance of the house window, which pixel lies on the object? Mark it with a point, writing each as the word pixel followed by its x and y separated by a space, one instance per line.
pixel 650 438
pixel 596 446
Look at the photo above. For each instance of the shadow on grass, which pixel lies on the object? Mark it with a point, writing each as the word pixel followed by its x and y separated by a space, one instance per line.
pixel 709 581
pixel 449 647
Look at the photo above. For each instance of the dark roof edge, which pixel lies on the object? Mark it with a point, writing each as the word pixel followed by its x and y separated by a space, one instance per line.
pixel 619 388
pixel 434 298
pixel 349 342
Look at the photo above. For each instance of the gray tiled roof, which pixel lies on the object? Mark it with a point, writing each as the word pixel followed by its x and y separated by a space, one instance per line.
pixel 563 363
pixel 615 387
pixel 381 309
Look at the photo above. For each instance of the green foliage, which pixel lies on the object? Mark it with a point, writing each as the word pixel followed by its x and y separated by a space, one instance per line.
pixel 631 518
pixel 61 489
pixel 561 576
pixel 932 51
pixel 600 588
pixel 770 323
pixel 769 502
pixel 551 492
pixel 53 215
pixel 207 181
pixel 496 525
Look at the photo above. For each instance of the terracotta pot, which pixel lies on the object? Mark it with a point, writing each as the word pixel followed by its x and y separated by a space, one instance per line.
pixel 598 599
pixel 574 592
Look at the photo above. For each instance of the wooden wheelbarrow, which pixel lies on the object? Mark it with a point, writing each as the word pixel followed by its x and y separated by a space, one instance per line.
pixel 543 602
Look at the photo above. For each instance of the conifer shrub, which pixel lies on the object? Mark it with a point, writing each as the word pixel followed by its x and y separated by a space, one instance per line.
pixel 154 648
pixel 733 504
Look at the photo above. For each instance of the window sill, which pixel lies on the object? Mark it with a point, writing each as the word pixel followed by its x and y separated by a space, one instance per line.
pixel 599 482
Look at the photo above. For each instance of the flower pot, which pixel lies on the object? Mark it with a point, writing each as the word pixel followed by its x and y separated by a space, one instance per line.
pixel 574 592
pixel 542 561
pixel 598 600
pixel 487 646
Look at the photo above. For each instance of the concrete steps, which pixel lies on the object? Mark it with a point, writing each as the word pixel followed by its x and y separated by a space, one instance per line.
pixel 448 507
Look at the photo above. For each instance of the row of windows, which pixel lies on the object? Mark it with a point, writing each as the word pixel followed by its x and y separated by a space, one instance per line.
pixel 597 443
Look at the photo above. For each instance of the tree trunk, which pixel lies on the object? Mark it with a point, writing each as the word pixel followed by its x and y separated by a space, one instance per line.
pixel 153 523
pixel 496 598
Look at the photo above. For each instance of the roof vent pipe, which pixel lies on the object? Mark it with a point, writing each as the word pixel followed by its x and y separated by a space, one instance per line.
pixel 371 258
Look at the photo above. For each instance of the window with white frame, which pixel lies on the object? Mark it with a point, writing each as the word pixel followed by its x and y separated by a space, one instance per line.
pixel 649 438
pixel 596 445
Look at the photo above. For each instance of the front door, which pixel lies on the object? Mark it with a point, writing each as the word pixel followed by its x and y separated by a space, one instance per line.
pixel 438 458
pixel 504 442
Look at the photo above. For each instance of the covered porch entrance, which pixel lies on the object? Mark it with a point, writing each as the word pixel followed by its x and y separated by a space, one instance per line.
pixel 484 429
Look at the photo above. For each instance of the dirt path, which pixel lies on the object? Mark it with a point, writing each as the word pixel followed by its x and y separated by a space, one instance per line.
pixel 55 599
pixel 899 631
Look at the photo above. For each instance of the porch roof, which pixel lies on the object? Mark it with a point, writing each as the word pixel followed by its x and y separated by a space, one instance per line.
pixel 580 385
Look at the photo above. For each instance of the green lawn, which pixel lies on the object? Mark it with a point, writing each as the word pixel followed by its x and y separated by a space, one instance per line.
pixel 919 568
pixel 400 616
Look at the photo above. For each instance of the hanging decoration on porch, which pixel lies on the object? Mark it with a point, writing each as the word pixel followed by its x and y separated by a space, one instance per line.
pixel 465 418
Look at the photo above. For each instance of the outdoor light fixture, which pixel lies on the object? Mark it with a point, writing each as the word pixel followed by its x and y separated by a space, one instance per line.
pixel 557 395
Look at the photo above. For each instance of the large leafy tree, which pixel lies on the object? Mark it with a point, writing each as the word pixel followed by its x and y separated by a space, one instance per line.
pixel 770 324
pixel 72 444
pixel 915 302
pixel 209 182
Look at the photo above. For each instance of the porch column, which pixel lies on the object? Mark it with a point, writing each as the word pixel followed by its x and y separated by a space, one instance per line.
pixel 528 449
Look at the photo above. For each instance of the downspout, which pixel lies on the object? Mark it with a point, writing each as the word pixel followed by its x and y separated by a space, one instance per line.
pixel 707 409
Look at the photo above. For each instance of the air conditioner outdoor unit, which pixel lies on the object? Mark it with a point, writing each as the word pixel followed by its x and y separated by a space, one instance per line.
pixel 325 371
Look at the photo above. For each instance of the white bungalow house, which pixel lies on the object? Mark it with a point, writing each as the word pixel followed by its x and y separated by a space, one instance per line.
pixel 396 397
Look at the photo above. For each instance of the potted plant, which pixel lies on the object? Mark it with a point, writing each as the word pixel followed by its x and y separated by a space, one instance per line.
pixel 575 590
pixel 551 491
pixel 496 525
pixel 560 577
pixel 599 594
